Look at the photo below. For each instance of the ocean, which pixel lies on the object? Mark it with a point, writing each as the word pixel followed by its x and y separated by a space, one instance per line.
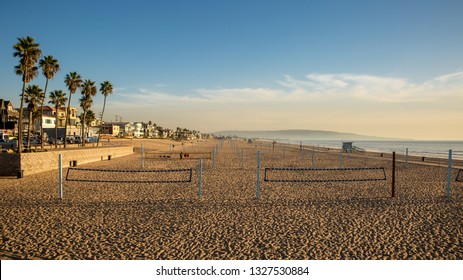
pixel 437 149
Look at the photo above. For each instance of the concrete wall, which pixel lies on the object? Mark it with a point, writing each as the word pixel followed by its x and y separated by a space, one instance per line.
pixel 9 164
pixel 33 163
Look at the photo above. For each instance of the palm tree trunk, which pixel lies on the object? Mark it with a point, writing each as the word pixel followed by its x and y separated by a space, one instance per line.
pixel 67 118
pixel 21 112
pixel 101 122
pixel 41 114
pixel 56 128
pixel 29 130
pixel 83 128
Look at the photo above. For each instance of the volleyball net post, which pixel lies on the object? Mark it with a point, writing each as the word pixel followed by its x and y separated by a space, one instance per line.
pixel 406 158
pixel 258 176
pixel 200 180
pixel 313 155
pixel 142 156
pixel 60 176
pixel 449 175
pixel 340 159
pixel 393 175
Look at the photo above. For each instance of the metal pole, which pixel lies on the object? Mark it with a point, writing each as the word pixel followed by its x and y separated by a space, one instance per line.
pixel 60 175
pixel 213 157
pixel 242 157
pixel 258 176
pixel 393 175
pixel 142 156
pixel 406 157
pixel 313 154
pixel 449 174
pixel 340 159
pixel 200 183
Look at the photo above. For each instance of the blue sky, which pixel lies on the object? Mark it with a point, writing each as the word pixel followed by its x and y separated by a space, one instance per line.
pixel 384 68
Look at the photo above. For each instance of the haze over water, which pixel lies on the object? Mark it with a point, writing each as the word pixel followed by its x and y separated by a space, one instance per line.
pixel 439 149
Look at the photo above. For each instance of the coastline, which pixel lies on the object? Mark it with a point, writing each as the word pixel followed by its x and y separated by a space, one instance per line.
pixel 401 157
pixel 416 149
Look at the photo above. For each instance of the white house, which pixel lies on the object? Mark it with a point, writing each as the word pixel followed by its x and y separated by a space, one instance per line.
pixel 138 130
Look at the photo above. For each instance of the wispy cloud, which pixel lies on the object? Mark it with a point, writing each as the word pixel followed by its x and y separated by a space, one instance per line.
pixel 318 101
pixel 238 95
pixel 374 88
pixel 453 78
pixel 314 87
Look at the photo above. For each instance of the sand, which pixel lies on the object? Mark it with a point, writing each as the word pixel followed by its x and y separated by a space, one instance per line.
pixel 324 220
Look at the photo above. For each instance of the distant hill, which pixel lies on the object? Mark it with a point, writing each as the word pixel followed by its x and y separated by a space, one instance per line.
pixel 299 135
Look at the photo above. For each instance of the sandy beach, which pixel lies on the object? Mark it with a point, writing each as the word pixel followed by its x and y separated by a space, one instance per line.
pixel 290 220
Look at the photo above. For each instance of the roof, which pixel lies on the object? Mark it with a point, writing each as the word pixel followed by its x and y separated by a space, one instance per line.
pixel 4 103
pixel 119 123
pixel 48 108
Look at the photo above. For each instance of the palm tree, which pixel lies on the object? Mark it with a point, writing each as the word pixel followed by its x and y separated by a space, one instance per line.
pixel 57 98
pixel 35 118
pixel 73 81
pixel 34 96
pixel 106 88
pixel 31 73
pixel 50 67
pixel 29 53
pixel 89 118
pixel 88 91
pixel 86 103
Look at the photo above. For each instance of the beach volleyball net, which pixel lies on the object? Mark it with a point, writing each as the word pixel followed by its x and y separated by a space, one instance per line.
pixel 177 155
pixel 323 175
pixel 130 176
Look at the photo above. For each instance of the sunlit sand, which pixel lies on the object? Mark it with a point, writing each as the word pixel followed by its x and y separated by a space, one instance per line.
pixel 312 220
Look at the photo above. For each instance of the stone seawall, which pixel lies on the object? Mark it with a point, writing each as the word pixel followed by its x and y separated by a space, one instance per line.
pixel 9 164
pixel 32 163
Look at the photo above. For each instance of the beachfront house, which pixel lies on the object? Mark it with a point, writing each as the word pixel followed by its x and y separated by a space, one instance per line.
pixel 8 117
pixel 110 129
pixel 150 130
pixel 125 128
pixel 49 119
pixel 138 130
